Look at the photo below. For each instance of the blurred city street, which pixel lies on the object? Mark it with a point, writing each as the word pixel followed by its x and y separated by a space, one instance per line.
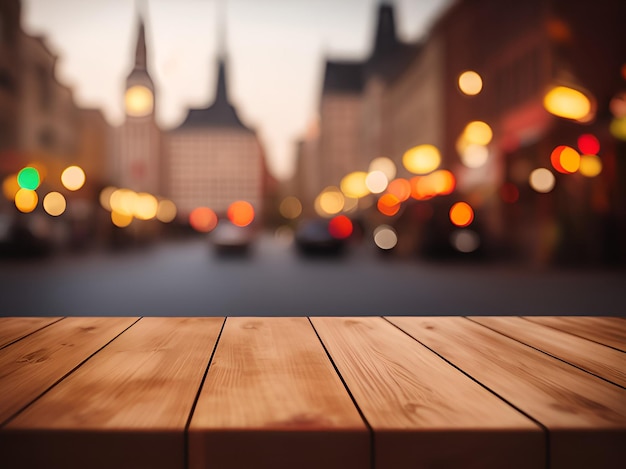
pixel 177 278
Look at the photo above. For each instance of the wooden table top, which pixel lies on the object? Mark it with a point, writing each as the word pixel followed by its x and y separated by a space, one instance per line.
pixel 318 392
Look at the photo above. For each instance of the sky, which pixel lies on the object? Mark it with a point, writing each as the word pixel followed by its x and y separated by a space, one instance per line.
pixel 275 53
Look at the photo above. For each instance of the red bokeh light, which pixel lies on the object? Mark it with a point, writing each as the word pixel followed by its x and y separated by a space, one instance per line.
pixel 509 193
pixel 588 144
pixel 340 227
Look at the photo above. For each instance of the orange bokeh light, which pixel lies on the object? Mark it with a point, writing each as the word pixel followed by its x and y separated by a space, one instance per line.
pixel 401 188
pixel 388 204
pixel 461 214
pixel 203 219
pixel 240 213
pixel 340 227
pixel 565 159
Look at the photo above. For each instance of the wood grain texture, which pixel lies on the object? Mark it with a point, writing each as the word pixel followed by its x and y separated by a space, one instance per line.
pixel 127 406
pixel 585 415
pixel 425 413
pixel 609 331
pixel 14 328
pixel 598 359
pixel 271 399
pixel 30 366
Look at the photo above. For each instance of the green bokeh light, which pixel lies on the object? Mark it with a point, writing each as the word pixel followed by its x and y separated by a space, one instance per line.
pixel 28 178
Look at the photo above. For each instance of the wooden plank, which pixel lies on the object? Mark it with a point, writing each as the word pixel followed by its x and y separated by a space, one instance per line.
pixel 32 365
pixel 585 415
pixel 127 407
pixel 425 413
pixel 272 399
pixel 598 359
pixel 14 328
pixel 609 331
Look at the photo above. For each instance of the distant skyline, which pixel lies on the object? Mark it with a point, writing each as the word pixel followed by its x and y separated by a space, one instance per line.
pixel 275 52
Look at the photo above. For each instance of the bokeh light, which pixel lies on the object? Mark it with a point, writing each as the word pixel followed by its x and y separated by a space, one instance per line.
pixel 123 201
pixel 477 133
pixel 590 166
pixel 376 182
pixel 139 101
pixel 461 214
pixel 73 178
pixel 618 128
pixel 542 180
pixel 568 103
pixel 385 237
pixel 509 193
pixel 384 164
pixel 617 105
pixel 121 220
pixel 340 227
pixel 565 159
pixel 28 178
pixel 330 202
pixel 470 83
pixel 54 204
pixel 353 185
pixel 240 213
pixel 290 207
pixel 388 204
pixel 26 200
pixel 422 159
pixel 442 182
pixel 465 240
pixel 105 197
pixel 10 187
pixel 401 188
pixel 474 155
pixel 203 219
pixel 166 211
pixel 588 144
pixel 284 235
pixel 145 206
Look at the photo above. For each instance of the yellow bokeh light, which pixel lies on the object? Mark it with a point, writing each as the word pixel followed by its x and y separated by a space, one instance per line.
pixel 73 178
pixel 568 103
pixel 54 204
pixel 166 211
pixel 121 220
pixel 542 180
pixel 384 164
pixel 139 101
pixel 329 202
pixel 422 159
pixel 10 187
pixel 26 200
pixel 376 181
pixel 569 159
pixel 105 197
pixel 478 133
pixel 442 182
pixel 353 185
pixel 145 206
pixel 123 201
pixel 590 166
pixel 618 128
pixel 470 83
pixel 290 207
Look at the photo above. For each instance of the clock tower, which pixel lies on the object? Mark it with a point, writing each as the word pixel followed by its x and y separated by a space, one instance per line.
pixel 138 158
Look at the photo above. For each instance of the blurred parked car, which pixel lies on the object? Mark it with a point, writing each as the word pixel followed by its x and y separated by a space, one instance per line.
pixel 227 238
pixel 314 238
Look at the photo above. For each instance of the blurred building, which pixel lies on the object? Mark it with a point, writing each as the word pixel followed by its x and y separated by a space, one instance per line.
pixel 214 158
pixel 137 162
pixel 407 95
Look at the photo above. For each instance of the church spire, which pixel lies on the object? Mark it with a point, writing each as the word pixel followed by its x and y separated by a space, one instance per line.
pixel 221 94
pixel 141 59
pixel 386 38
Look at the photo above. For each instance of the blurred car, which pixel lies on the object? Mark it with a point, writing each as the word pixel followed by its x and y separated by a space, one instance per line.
pixel 313 237
pixel 228 238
